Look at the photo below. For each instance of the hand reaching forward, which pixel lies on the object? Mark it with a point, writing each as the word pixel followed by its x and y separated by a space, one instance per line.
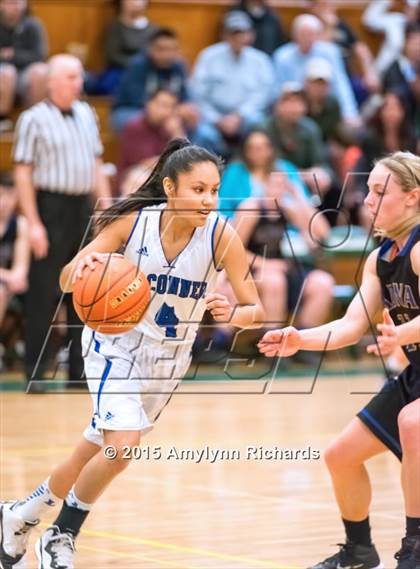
pixel 388 340
pixel 284 342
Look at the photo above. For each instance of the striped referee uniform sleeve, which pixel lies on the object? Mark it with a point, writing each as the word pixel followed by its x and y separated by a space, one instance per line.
pixel 25 139
pixel 98 147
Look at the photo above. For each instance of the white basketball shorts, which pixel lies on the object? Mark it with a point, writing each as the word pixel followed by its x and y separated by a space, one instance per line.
pixel 131 378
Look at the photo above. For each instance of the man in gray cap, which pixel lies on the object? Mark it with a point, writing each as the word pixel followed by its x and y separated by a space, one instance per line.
pixel 323 107
pixel 232 84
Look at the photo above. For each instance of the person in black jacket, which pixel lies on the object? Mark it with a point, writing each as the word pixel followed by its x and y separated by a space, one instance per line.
pixel 160 67
pixel 269 32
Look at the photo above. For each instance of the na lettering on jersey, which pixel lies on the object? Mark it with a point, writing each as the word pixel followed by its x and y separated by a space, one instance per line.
pixel 400 296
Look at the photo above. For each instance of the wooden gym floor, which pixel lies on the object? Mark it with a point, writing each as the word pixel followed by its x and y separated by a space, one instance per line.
pixel 236 514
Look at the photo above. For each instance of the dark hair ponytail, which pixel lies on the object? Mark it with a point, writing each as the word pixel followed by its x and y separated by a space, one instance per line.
pixel 179 156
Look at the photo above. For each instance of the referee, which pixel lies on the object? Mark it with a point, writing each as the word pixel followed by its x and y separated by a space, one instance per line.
pixel 58 176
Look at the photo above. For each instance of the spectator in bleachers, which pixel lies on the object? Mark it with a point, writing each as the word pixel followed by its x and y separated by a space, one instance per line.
pixel 23 48
pixel 14 245
pixel 391 25
pixel 144 138
pixel 161 66
pixel 232 84
pixel 280 281
pixel 248 176
pixel 322 105
pixel 298 138
pixel 269 32
pixel 404 72
pixel 290 61
pixel 323 108
pixel 353 50
pixel 126 36
pixel 388 130
pixel 58 172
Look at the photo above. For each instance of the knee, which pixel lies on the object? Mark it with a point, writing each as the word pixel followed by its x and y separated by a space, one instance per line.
pixel 274 277
pixel 332 456
pixel 409 429
pixel 338 458
pixel 320 283
pixel 37 73
pixel 8 75
pixel 122 450
pixel 118 462
pixel 274 285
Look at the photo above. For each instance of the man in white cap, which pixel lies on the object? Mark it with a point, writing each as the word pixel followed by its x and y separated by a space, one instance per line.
pixel 291 59
pixel 232 84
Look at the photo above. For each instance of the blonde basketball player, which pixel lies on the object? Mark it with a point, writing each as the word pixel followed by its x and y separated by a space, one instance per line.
pixel 391 420
pixel 170 230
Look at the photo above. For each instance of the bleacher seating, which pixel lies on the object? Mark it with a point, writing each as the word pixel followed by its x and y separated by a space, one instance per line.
pixel 79 26
pixel 83 22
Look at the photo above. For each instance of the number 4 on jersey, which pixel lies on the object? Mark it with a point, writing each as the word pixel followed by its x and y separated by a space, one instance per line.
pixel 166 318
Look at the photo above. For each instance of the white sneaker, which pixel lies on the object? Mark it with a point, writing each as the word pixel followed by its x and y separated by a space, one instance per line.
pixel 14 533
pixel 55 550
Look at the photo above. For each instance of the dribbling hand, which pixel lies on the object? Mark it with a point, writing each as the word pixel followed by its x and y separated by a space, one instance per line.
pixel 388 339
pixel 89 261
pixel 283 343
pixel 219 307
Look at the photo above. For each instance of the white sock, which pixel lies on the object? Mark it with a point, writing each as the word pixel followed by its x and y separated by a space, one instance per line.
pixel 41 499
pixel 73 501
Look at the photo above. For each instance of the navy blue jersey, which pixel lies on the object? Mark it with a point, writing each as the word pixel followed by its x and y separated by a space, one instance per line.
pixel 400 288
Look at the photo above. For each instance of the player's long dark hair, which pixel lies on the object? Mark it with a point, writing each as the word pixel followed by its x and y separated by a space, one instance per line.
pixel 178 157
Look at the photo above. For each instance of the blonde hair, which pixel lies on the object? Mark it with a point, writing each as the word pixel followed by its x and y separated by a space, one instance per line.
pixel 405 166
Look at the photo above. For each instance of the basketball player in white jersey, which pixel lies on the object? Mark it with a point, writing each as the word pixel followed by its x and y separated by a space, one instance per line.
pixel 169 230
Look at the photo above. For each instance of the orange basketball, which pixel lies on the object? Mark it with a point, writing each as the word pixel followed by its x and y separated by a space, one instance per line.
pixel 113 297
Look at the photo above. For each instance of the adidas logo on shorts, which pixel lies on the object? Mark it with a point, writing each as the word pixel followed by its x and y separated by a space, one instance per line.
pixel 109 416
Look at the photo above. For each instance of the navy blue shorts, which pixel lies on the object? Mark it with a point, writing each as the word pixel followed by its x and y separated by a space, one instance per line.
pixel 381 413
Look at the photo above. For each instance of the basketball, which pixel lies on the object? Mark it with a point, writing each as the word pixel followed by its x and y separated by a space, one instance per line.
pixel 111 298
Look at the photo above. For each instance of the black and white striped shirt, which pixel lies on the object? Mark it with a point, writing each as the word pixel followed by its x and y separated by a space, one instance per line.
pixel 61 146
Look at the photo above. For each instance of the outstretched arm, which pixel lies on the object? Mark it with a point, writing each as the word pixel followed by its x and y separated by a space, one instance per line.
pixel 336 334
